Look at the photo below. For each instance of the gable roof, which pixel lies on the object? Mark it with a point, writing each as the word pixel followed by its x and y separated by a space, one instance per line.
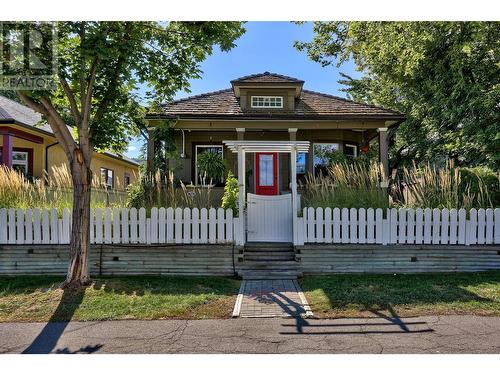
pixel 310 105
pixel 16 113
pixel 266 77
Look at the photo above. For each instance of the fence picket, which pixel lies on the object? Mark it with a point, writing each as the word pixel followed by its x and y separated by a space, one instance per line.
pixel 345 225
pixel 336 225
pixel 353 225
pixel 427 226
pixel 401 226
pixel 497 226
pixel 178 225
pixel 481 226
pixel 220 225
pixel 107 225
pixel 445 226
pixel 28 221
pixel 328 225
pixel 20 226
pixel 186 236
pixel 453 226
pixel 472 232
pixel 3 226
pixel 98 226
pixel 229 225
pixel 379 226
pixel 462 223
pixel 393 223
pixel 54 236
pixel 12 226
pixel 195 219
pixel 45 226
pixel 66 230
pixel 410 226
pixel 154 225
pixel 212 225
pixel 170 225
pixel 311 234
pixel 204 225
pixel 419 226
pixel 319 225
pixel 161 225
pixel 370 226
pixel 134 238
pixel 362 226
pixel 116 225
pixel 143 237
pixel 436 225
pixel 125 226
pixel 489 226
pixel 92 226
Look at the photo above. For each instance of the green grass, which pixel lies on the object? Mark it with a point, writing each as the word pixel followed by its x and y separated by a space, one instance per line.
pixel 38 298
pixel 404 295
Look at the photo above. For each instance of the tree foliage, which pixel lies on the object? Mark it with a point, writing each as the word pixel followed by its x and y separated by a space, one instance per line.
pixel 443 75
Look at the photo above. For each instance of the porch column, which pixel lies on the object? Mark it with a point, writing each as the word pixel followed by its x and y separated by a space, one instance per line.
pixel 150 151
pixel 293 133
pixel 384 154
pixel 241 192
pixel 241 134
pixel 7 150
pixel 293 178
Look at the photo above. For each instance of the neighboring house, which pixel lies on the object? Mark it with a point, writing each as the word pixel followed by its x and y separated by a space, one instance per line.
pixel 273 107
pixel 28 145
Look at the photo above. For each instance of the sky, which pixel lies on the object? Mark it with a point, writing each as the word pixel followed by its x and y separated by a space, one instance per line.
pixel 265 46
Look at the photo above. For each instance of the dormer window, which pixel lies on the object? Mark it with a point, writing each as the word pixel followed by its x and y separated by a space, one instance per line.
pixel 267 102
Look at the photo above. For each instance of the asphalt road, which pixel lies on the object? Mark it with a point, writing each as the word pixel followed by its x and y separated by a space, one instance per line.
pixel 426 334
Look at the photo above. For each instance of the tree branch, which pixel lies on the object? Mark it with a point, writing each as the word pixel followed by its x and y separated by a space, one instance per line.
pixel 71 98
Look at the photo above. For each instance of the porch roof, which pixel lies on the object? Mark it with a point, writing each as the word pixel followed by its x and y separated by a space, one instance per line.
pixel 268 146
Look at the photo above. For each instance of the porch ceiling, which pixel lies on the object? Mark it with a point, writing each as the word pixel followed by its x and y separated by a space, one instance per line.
pixel 268 146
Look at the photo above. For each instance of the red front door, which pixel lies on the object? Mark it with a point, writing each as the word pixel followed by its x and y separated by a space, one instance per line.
pixel 266 176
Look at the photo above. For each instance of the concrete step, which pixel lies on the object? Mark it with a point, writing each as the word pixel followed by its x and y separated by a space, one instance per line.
pixel 269 275
pixel 269 257
pixel 256 265
pixel 268 250
pixel 268 246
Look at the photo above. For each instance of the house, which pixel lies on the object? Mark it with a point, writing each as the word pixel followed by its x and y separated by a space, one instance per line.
pixel 259 125
pixel 28 145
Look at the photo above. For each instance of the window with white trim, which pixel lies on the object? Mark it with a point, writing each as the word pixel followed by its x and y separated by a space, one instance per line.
pixel 199 149
pixel 107 178
pixel 267 102
pixel 20 161
pixel 351 151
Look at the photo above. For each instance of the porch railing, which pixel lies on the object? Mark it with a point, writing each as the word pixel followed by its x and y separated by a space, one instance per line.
pixel 400 226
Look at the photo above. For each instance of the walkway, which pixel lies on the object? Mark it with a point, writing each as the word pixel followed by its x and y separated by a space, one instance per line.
pixel 270 298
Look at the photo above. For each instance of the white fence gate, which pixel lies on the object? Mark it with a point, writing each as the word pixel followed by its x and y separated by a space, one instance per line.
pixel 269 218
pixel 400 226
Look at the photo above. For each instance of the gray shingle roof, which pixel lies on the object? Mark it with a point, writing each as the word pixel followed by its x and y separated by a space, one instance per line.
pixel 267 77
pixel 311 104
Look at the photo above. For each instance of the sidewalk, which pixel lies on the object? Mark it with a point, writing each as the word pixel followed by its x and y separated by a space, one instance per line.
pixel 426 334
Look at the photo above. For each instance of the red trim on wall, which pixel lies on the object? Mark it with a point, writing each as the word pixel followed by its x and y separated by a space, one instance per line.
pixel 266 190
pixel 20 134
pixel 30 157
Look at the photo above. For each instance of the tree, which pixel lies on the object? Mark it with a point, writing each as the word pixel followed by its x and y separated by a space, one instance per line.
pixel 442 75
pixel 100 67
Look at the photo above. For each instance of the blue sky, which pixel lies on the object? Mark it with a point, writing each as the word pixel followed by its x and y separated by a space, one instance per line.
pixel 266 46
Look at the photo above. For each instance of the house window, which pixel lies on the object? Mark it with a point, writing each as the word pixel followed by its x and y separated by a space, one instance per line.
pixel 126 180
pixel 20 161
pixel 267 102
pixel 301 162
pixel 351 151
pixel 107 178
pixel 323 154
pixel 200 149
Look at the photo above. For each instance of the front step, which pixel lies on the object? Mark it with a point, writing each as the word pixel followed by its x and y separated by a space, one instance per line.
pixel 269 275
pixel 261 261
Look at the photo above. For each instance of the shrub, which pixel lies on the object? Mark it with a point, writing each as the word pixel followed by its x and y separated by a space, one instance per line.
pixel 211 166
pixel 230 197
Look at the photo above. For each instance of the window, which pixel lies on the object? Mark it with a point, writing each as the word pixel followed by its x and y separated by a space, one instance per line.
pixel 20 161
pixel 301 162
pixel 267 102
pixel 199 149
pixel 323 154
pixel 107 178
pixel 351 151
pixel 126 180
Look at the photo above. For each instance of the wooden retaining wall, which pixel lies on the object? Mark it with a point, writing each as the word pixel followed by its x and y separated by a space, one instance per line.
pixel 109 260
pixel 324 259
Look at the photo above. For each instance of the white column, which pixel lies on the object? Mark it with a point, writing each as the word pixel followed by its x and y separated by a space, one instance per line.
pixel 241 193
pixel 293 177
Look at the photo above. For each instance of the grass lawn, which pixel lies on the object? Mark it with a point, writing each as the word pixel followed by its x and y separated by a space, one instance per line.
pixel 404 295
pixel 38 298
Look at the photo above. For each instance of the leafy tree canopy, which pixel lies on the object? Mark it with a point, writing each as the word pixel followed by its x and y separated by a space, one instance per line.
pixel 443 75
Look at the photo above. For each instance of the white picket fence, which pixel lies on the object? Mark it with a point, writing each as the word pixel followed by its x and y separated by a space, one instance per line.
pixel 400 226
pixel 120 226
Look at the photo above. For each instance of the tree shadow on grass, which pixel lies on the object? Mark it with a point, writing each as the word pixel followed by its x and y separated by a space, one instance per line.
pixel 47 339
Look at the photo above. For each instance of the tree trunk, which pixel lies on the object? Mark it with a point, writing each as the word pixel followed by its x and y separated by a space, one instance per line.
pixel 78 269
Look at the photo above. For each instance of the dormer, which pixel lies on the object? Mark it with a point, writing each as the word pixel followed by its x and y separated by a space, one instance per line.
pixel 267 92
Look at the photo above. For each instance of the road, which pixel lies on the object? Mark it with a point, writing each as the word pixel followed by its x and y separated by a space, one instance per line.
pixel 426 334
